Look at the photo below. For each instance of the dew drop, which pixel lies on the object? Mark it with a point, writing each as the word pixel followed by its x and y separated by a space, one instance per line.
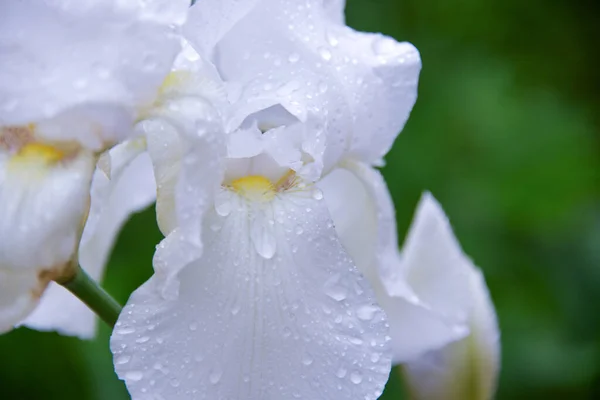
pixel 337 293
pixel 124 331
pixel 332 39
pixel 325 53
pixel 356 377
pixel 263 238
pixel 341 372
pixel 355 340
pixel 375 357
pixel 294 57
pixel 317 194
pixel 307 360
pixel 142 339
pixel 122 360
pixel 134 375
pixel 366 313
pixel 223 204
pixel 215 376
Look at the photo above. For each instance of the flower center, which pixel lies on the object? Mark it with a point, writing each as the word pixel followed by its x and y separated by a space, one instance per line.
pixel 22 146
pixel 254 188
pixel 39 151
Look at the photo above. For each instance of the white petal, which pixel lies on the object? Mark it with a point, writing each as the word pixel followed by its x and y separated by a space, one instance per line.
pixel 19 294
pixel 129 189
pixel 187 107
pixel 335 10
pixel 295 322
pixel 433 263
pixel 42 206
pixel 360 87
pixel 466 369
pixel 410 289
pixel 274 66
pixel 60 311
pixel 94 126
pixel 187 145
pixel 61 54
pixel 210 20
pixel 380 77
pixel 353 212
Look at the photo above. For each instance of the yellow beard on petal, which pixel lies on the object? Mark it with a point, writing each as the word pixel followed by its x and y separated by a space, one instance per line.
pixel 259 188
pixel 255 188
pixel 173 80
pixel 39 152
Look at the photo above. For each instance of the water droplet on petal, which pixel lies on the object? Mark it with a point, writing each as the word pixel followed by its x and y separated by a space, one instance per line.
pixel 215 376
pixel 307 360
pixel 294 57
pixel 223 203
pixel 124 331
pixel 122 360
pixel 332 39
pixel 317 194
pixel 134 375
pixel 337 293
pixel 356 377
pixel 366 313
pixel 263 238
pixel 325 53
pixel 375 357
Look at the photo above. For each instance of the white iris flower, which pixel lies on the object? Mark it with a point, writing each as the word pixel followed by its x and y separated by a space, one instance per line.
pixel 73 77
pixel 258 292
pixel 279 276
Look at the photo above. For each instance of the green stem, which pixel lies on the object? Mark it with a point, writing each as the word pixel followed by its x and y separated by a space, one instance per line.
pixel 96 298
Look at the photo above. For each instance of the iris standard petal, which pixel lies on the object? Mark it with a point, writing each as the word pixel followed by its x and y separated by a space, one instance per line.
pixel 60 54
pixel 360 86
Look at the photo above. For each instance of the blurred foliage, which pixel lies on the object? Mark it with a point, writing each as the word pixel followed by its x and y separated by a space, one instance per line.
pixel 505 135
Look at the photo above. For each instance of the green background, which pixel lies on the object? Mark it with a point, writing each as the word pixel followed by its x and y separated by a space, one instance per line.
pixel 505 135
